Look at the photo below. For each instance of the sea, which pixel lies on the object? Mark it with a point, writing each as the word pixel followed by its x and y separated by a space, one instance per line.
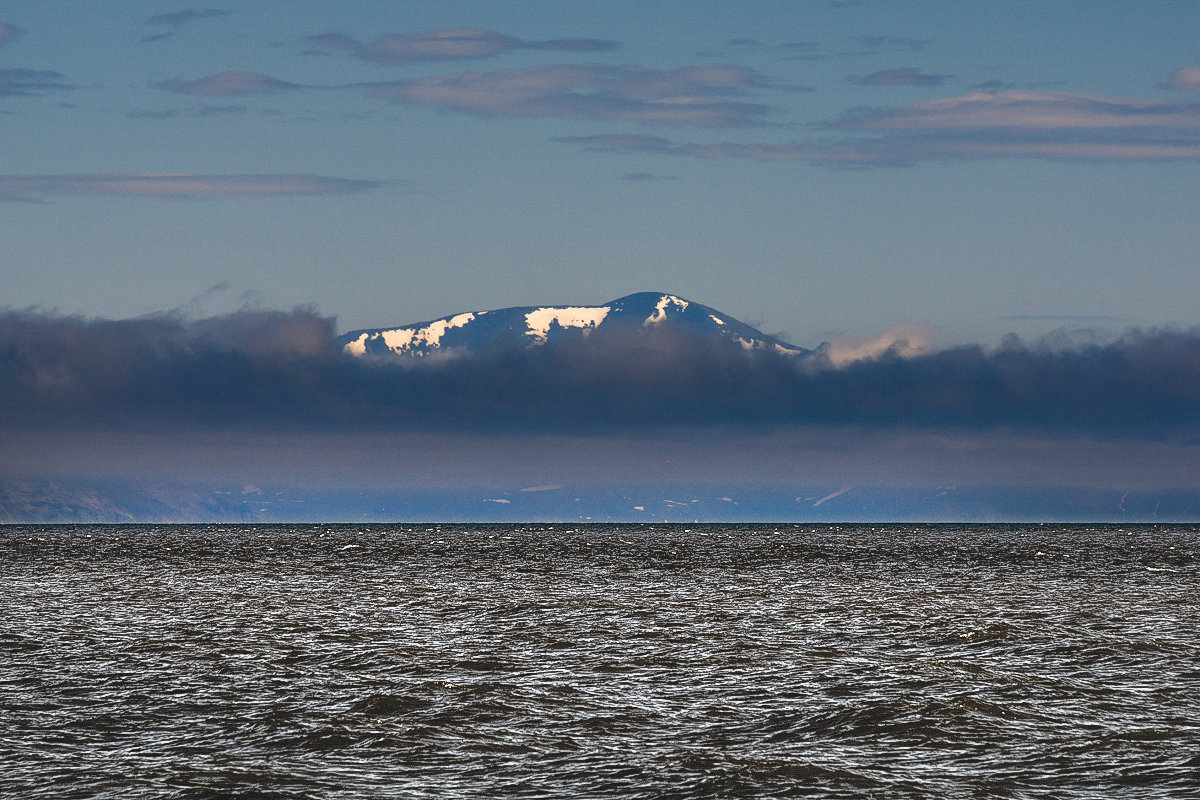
pixel 600 661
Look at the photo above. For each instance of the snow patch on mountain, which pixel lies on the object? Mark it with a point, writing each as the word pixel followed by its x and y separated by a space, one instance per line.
pixel 406 340
pixel 539 320
pixel 356 347
pixel 660 310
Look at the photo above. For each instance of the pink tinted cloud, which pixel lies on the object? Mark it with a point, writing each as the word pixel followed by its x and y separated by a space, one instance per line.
pixel 35 188
pixel 228 84
pixel 699 96
pixel 1021 110
pixel 1010 124
pixel 1186 79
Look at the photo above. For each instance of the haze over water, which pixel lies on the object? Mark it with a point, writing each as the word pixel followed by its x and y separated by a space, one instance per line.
pixel 599 661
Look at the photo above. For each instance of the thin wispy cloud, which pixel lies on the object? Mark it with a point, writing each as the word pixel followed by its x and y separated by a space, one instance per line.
pixel 156 37
pixel 1029 111
pixel 38 188
pixel 228 84
pixel 695 96
pixel 859 47
pixel 900 76
pixel 875 45
pixel 184 16
pixel 30 82
pixel 195 112
pixel 1007 124
pixel 446 44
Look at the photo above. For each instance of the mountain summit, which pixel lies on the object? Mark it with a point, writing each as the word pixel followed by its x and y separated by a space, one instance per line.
pixel 534 326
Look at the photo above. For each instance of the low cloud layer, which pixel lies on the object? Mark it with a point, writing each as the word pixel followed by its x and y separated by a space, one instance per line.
pixel 39 188
pixel 275 370
pixel 446 44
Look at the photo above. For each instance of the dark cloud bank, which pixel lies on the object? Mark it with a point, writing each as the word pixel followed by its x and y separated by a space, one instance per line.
pixel 256 416
pixel 281 371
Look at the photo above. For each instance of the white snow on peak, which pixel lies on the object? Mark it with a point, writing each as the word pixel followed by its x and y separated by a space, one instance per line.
pixel 433 333
pixel 539 320
pixel 402 340
pixel 716 319
pixel 660 310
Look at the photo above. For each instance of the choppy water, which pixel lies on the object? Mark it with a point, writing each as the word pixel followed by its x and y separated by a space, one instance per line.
pixel 618 661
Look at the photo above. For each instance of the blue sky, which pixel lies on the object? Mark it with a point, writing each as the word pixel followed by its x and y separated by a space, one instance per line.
pixel 817 169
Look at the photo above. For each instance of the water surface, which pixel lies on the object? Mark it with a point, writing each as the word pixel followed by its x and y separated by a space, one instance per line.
pixel 627 661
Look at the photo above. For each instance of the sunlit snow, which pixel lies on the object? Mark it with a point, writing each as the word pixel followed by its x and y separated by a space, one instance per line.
pixel 660 310
pixel 538 321
pixel 403 340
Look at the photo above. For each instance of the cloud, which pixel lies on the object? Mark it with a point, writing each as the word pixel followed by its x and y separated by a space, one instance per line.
pixel 850 152
pixel 1010 124
pixel 35 188
pixel 1030 111
pixel 8 32
pixel 901 76
pixel 1186 79
pixel 903 341
pixel 622 142
pixel 30 82
pixel 280 371
pixel 157 37
pixel 697 96
pixel 228 84
pixel 185 16
pixel 194 112
pixel 449 44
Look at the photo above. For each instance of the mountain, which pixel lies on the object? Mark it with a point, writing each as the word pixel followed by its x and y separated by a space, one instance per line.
pixel 534 326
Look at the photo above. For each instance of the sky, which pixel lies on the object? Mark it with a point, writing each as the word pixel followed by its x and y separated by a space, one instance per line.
pixel 824 171
pixel 816 169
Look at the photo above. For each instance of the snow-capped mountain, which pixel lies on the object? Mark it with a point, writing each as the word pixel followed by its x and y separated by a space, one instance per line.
pixel 534 326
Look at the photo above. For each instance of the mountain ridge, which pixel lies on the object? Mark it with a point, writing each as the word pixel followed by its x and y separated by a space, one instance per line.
pixel 533 326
